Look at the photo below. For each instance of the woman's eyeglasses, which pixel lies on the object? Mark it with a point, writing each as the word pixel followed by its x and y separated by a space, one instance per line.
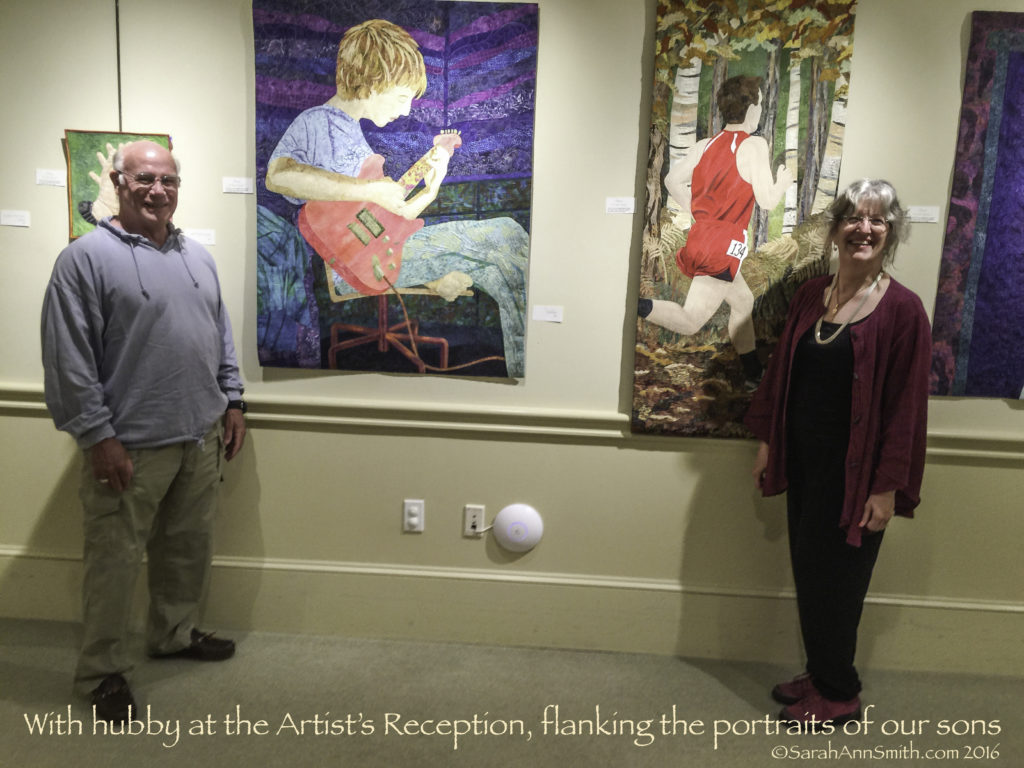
pixel 874 222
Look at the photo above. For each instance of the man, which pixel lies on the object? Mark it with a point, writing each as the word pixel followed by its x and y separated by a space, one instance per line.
pixel 719 181
pixel 140 369
pixel 322 154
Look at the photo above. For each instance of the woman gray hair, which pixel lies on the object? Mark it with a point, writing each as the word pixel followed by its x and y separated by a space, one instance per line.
pixel 876 190
pixel 841 420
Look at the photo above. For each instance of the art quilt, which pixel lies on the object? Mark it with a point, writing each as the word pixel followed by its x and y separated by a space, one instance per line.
pixel 978 326
pixel 747 126
pixel 394 145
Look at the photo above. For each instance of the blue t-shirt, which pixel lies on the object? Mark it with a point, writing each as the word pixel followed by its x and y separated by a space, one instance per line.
pixel 324 137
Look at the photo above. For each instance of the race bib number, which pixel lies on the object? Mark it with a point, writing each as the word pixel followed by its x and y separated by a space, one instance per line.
pixel 737 250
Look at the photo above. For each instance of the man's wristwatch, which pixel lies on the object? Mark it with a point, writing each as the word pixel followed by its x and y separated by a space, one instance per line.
pixel 238 405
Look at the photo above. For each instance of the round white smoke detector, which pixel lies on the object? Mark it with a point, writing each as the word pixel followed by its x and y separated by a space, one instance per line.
pixel 518 527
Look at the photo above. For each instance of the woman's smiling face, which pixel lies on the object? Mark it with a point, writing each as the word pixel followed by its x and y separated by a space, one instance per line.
pixel 863 233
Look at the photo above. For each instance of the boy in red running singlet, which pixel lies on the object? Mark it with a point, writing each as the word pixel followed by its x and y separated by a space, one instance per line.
pixel 719 182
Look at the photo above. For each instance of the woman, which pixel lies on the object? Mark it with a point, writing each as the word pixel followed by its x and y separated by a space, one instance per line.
pixel 841 416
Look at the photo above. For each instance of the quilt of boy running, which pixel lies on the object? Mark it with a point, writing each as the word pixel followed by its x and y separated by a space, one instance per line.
pixel 978 326
pixel 699 384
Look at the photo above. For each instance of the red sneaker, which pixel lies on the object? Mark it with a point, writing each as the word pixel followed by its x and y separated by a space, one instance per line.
pixel 796 689
pixel 816 709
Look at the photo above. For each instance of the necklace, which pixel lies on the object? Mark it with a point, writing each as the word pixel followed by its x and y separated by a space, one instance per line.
pixel 828 300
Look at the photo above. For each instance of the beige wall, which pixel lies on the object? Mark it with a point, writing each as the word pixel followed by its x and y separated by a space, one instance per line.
pixel 651 544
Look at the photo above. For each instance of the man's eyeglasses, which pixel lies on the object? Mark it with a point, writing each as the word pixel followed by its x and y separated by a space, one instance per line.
pixel 874 222
pixel 147 180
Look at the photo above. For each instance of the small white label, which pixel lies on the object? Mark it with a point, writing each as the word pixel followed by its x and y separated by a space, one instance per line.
pixel 737 250
pixel 15 219
pixel 620 205
pixel 238 185
pixel 49 177
pixel 547 314
pixel 202 236
pixel 924 214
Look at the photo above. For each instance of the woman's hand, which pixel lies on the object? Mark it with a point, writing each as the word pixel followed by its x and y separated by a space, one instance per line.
pixel 878 511
pixel 760 464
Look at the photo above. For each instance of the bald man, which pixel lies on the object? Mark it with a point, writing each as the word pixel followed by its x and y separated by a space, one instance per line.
pixel 140 370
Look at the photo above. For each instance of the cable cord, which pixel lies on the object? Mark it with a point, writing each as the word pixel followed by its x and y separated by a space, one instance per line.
pixel 412 340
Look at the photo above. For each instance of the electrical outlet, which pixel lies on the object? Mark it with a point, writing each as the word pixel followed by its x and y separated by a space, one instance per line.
pixel 413 512
pixel 473 520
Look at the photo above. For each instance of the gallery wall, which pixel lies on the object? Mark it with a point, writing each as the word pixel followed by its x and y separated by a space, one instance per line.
pixel 651 544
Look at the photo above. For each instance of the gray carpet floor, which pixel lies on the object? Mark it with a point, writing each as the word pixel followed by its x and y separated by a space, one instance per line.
pixel 299 700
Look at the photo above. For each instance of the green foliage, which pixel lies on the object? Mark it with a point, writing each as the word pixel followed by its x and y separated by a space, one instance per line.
pixel 728 29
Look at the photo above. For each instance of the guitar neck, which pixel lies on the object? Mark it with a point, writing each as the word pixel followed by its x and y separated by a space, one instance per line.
pixel 415 174
pixel 446 141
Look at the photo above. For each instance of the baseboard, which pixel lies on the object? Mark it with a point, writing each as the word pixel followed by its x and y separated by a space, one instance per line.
pixel 547 610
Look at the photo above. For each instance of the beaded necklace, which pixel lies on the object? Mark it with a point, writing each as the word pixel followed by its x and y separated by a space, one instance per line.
pixel 828 300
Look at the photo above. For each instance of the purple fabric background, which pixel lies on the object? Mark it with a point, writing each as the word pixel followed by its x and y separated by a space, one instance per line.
pixel 978 327
pixel 996 359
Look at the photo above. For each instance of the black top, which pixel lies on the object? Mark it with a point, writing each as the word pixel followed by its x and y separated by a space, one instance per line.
pixel 821 388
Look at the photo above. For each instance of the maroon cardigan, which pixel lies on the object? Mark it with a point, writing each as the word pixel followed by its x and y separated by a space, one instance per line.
pixel 889 409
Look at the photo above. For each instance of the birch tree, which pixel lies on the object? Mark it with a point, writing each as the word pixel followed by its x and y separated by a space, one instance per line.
pixel 814 138
pixel 789 216
pixel 828 179
pixel 683 117
pixel 840 51
pixel 685 105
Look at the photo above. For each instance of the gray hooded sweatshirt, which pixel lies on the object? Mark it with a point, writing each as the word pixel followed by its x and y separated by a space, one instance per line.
pixel 136 340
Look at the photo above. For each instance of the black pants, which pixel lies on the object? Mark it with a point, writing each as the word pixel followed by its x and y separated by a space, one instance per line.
pixel 831 576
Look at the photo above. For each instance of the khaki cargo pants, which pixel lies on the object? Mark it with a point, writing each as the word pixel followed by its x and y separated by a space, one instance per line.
pixel 165 513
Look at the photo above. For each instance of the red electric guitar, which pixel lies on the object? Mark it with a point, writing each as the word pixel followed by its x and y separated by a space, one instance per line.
pixel 361 241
